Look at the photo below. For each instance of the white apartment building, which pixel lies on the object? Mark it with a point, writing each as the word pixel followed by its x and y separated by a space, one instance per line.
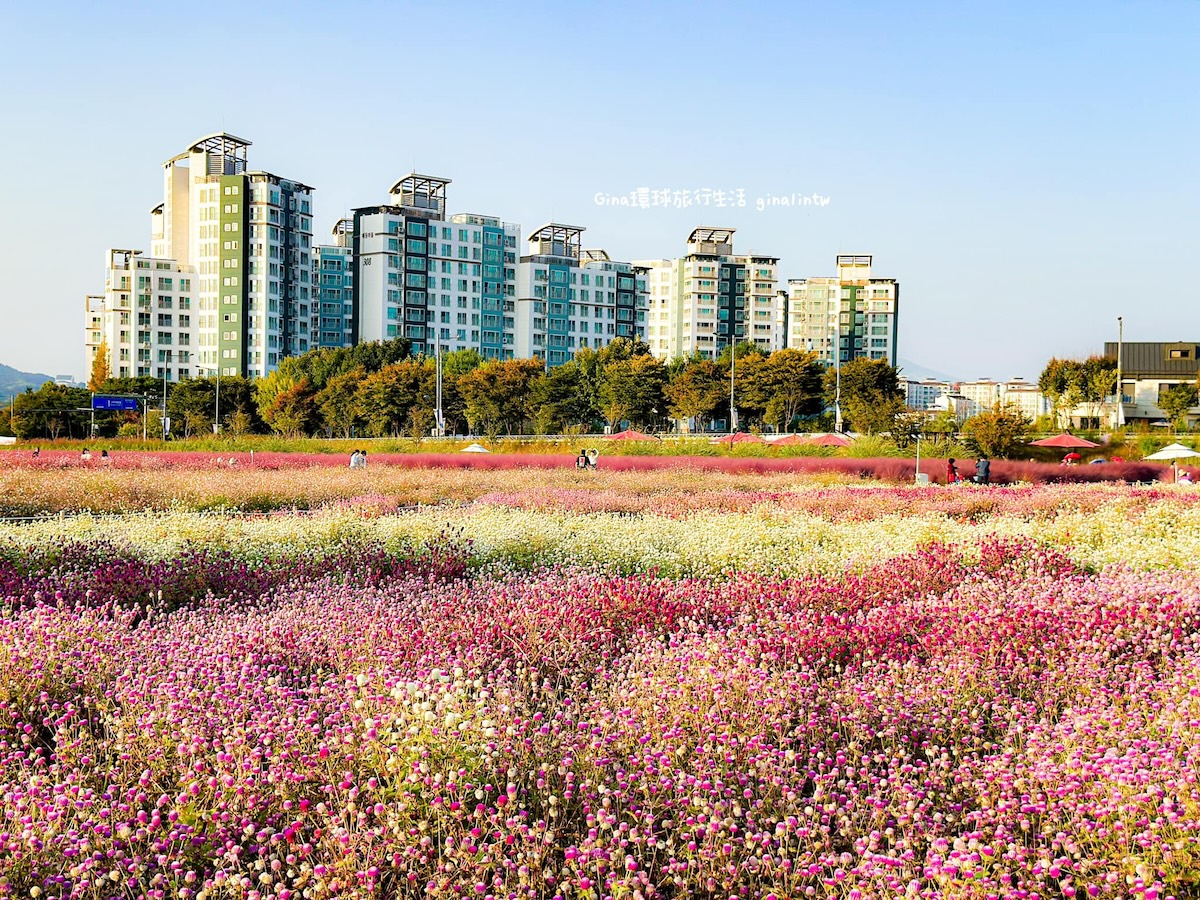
pixel 146 317
pixel 921 395
pixel 984 393
pixel 444 283
pixel 855 310
pixel 956 405
pixel 709 298
pixel 1024 396
pixel 569 298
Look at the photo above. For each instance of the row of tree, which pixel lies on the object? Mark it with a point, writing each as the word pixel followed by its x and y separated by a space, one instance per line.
pixel 619 383
pixel 1072 383
pixel 379 389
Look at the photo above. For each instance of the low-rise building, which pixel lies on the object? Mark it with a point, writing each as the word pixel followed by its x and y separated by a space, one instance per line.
pixel 1148 370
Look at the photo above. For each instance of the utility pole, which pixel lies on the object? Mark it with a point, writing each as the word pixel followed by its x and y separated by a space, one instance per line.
pixel 732 363
pixel 1120 417
pixel 837 371
pixel 437 367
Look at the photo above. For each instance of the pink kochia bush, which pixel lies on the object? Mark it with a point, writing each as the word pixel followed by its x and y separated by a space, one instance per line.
pixel 879 468
pixel 974 722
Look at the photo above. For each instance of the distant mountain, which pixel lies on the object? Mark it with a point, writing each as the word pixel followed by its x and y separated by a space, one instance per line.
pixel 14 381
pixel 917 372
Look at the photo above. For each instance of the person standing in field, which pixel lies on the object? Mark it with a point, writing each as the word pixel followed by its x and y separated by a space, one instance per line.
pixel 952 476
pixel 983 470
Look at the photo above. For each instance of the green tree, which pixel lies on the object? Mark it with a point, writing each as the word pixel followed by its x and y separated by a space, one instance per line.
pixel 517 380
pixel 871 394
pixel 696 390
pixel 237 396
pixel 454 365
pixel 52 411
pixel 338 402
pixel 1175 402
pixel 997 432
pixel 783 386
pixel 1069 383
pixel 140 386
pixel 559 399
pixel 384 398
pixel 483 399
pixel 421 420
pixel 240 423
pixel 1061 382
pixel 743 349
pixel 322 363
pixel 195 397
pixel 195 422
pixel 498 395
pixel 268 389
pixel 633 389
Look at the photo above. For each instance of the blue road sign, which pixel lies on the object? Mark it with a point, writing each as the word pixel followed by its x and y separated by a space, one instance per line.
pixel 118 403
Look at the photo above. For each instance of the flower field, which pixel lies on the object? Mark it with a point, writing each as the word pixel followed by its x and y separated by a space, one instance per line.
pixel 623 685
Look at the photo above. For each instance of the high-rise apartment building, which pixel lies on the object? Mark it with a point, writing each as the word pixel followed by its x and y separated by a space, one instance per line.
pixel 248 236
pixel 709 298
pixel 569 298
pixel 145 317
pixel 445 283
pixel 227 283
pixel 333 323
pixel 854 311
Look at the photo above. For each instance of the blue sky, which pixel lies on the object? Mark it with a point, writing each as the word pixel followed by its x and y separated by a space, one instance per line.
pixel 1027 170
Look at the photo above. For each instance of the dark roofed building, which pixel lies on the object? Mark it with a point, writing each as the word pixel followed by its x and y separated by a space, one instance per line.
pixel 1148 369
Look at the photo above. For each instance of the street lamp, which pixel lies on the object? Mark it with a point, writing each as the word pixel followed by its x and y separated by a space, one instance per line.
pixel 732 364
pixel 145 345
pixel 1120 417
pixel 732 368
